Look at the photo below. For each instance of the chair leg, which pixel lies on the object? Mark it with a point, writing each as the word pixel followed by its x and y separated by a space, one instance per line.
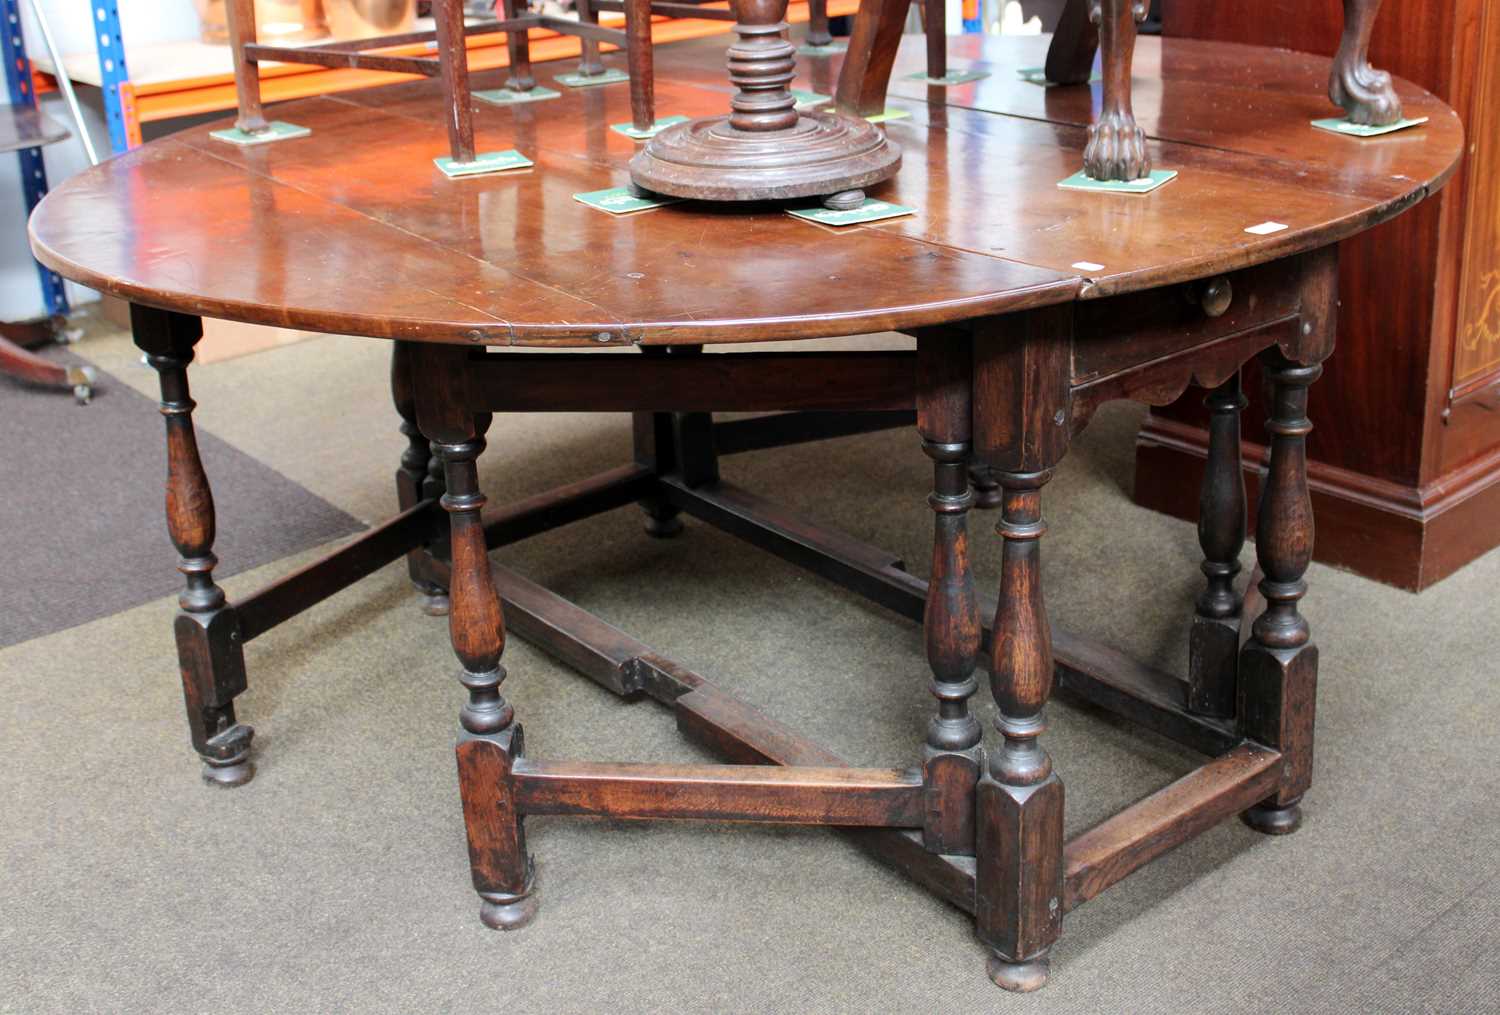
pixel 1279 664
pixel 209 647
pixel 817 24
pixel 1366 94
pixel 1116 148
pixel 1070 57
pixel 638 63
pixel 518 47
pixel 589 63
pixel 935 27
pixel 241 17
pixel 1018 886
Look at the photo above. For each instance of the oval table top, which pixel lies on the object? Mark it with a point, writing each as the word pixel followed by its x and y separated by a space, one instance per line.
pixel 354 230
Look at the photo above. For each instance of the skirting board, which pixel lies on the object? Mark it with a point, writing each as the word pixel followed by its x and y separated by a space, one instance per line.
pixel 1403 536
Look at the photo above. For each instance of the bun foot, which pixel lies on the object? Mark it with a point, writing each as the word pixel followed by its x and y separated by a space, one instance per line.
pixel 235 773
pixel 662 522
pixel 498 911
pixel 1274 820
pixel 987 492
pixel 226 761
pixel 844 200
pixel 1116 149
pixel 1020 977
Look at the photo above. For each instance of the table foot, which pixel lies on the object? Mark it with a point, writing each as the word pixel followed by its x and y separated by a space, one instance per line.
pixel 662 521
pixel 1274 820
pixel 1019 977
pixel 230 764
pixel 499 911
pixel 434 602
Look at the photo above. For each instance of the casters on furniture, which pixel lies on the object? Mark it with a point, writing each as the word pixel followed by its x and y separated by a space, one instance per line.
pixel 83 380
pixel 502 911
pixel 1270 820
pixel 1019 977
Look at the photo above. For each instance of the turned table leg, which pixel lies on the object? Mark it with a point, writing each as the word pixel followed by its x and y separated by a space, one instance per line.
pixel 951 756
pixel 1214 645
pixel 1366 94
pixel 411 478
pixel 1116 148
pixel 210 651
pixel 489 740
pixel 1279 664
pixel 1019 874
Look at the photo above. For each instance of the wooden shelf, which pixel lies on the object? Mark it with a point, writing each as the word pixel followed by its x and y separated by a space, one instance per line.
pixel 189 78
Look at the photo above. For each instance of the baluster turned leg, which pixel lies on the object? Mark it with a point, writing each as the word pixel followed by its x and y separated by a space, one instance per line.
pixel 489 740
pixel 1019 875
pixel 1366 94
pixel 411 477
pixel 950 623
pixel 209 650
pixel 1279 664
pixel 1213 647
pixel 1116 148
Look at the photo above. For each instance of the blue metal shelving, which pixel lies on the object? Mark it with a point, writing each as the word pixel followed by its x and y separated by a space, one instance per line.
pixel 33 171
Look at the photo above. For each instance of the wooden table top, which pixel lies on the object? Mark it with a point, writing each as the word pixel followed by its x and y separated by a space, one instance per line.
pixel 353 229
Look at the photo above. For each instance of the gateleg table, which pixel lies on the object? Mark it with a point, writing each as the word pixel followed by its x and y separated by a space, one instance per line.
pixel 1030 305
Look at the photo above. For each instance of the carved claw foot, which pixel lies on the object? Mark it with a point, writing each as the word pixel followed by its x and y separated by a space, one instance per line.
pixel 1366 94
pixel 1019 977
pixel 227 759
pixel 1274 820
pixel 1116 149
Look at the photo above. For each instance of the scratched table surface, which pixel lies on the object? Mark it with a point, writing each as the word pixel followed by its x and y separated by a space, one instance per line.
pixel 354 230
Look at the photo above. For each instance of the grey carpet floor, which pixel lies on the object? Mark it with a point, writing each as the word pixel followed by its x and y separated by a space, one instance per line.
pixel 82 511
pixel 337 880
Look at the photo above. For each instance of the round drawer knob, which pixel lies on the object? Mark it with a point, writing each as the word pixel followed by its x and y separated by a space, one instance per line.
pixel 1215 296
